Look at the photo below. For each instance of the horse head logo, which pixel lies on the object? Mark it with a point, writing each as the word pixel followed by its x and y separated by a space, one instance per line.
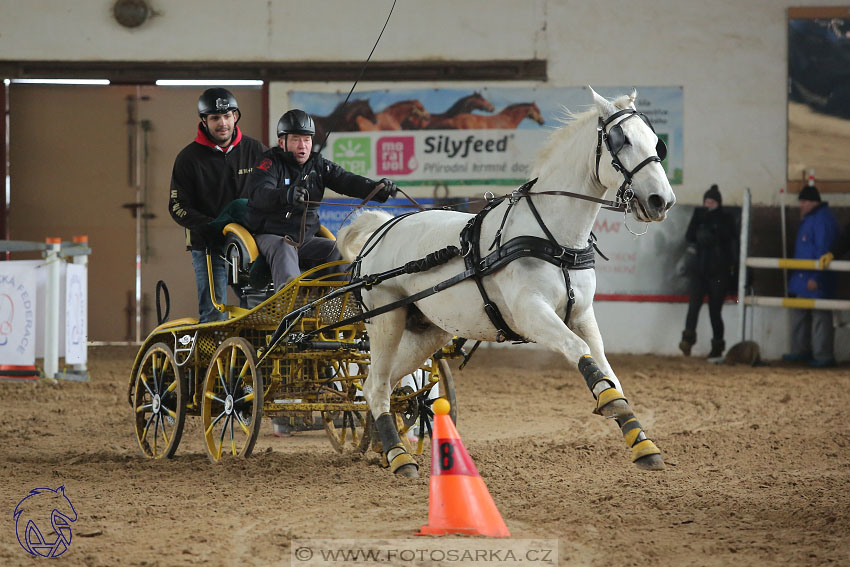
pixel 38 504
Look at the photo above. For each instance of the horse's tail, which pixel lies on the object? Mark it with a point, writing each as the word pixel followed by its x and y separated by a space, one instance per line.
pixel 353 236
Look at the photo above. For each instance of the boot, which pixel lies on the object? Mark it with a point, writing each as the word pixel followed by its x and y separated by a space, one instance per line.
pixel 688 340
pixel 717 348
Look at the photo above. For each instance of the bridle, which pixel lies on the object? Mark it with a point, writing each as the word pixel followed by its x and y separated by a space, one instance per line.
pixel 615 139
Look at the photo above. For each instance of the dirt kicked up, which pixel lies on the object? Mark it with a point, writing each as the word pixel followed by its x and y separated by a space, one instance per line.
pixel 758 470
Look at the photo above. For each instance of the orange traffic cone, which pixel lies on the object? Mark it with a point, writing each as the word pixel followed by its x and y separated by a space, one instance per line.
pixel 458 501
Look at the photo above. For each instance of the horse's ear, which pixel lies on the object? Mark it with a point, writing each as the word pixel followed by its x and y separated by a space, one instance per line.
pixel 632 98
pixel 603 105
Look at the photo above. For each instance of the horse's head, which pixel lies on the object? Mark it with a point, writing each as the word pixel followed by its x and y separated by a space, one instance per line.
pixel 534 113
pixel 634 156
pixel 476 101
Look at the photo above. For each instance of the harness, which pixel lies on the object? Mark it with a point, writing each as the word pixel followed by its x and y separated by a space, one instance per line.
pixel 546 249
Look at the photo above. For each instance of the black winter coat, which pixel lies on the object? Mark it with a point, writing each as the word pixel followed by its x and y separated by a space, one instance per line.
pixel 715 236
pixel 205 179
pixel 269 183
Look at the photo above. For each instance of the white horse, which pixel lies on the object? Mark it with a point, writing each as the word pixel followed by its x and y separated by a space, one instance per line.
pixel 531 294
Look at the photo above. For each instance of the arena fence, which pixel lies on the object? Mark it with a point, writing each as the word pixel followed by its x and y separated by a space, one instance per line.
pixel 778 263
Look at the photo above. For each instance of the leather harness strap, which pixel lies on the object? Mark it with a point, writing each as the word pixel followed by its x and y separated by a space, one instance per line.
pixel 546 249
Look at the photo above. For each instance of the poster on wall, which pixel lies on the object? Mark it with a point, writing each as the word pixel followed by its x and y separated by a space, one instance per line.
pixel 18 283
pixel 489 136
pixel 76 309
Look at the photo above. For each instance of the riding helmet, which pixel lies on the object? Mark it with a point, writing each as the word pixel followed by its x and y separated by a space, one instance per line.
pixel 217 101
pixel 295 121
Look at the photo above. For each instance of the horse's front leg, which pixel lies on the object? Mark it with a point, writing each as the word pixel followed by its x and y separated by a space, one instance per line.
pixel 540 323
pixel 385 333
pixel 606 388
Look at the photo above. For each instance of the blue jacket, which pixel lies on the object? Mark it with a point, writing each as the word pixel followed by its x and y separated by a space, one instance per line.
pixel 816 234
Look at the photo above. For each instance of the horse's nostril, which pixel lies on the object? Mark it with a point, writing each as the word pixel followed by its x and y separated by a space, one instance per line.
pixel 656 203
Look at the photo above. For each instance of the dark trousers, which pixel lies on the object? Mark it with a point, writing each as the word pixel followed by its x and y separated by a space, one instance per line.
pixel 715 288
pixel 287 262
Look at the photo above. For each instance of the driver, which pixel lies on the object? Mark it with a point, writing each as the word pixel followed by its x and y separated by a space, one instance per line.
pixel 279 188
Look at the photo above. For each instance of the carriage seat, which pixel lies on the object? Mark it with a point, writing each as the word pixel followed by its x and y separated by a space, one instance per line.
pixel 248 269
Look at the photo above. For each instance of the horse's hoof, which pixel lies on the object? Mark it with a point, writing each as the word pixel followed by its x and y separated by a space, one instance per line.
pixel 651 463
pixel 408 471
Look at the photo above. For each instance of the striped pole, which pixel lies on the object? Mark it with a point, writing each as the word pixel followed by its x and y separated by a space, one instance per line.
pixel 800 302
pixel 796 264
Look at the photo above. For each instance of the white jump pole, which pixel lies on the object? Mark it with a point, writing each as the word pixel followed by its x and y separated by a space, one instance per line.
pixel 51 319
pixel 742 262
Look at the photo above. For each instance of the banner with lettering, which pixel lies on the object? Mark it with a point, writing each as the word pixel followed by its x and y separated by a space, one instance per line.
pixel 76 309
pixel 18 291
pixel 489 136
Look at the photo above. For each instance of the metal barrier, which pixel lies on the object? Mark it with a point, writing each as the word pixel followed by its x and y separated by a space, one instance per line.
pixel 54 251
pixel 779 263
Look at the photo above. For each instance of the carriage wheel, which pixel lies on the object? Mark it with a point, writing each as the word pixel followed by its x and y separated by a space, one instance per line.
pixel 347 430
pixel 232 402
pixel 159 403
pixel 416 414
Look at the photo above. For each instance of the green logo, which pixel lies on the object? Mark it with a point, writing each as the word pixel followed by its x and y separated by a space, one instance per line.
pixel 354 154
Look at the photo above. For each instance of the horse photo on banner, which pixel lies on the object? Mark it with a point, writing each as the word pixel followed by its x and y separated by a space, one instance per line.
pixel 18 287
pixel 488 136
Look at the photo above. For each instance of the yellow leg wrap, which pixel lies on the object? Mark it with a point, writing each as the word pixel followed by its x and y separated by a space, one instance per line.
pixel 606 397
pixel 403 458
pixel 644 448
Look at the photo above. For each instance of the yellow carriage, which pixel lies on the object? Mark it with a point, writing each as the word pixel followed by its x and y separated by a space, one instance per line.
pixel 278 359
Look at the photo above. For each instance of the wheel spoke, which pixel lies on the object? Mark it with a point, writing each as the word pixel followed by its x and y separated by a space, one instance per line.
pixel 220 369
pixel 242 424
pixel 249 397
pixel 232 440
pixel 171 387
pixel 171 413
pixel 231 381
pixel 164 434
pixel 223 433
pixel 145 383
pixel 147 426
pixel 155 433
pixel 141 409
pixel 216 420
pixel 212 396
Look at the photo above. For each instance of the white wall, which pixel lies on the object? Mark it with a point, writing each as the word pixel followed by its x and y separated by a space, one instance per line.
pixel 728 55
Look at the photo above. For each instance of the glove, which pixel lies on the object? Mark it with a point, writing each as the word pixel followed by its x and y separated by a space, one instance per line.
pixel 388 191
pixel 824 260
pixel 211 233
pixel 297 195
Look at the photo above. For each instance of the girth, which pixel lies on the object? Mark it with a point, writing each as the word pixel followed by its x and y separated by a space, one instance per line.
pixel 546 249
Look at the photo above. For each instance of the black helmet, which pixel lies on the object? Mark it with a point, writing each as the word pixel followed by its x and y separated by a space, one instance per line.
pixel 216 101
pixel 295 121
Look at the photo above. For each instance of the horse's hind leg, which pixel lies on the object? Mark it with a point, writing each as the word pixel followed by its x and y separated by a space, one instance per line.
pixel 610 401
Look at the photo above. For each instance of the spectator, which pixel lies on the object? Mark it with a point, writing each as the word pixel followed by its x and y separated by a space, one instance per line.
pixel 208 174
pixel 811 329
pixel 712 240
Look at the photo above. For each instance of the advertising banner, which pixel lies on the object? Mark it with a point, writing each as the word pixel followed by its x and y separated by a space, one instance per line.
pixel 462 136
pixel 76 309
pixel 18 292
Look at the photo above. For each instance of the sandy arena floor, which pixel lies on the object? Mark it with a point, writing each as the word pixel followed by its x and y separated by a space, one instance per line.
pixel 758 470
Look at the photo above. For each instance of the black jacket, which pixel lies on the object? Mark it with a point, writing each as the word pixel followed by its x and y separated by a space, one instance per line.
pixel 271 180
pixel 206 178
pixel 715 235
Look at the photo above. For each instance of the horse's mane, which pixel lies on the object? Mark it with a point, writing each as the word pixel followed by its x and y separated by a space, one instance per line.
pixel 573 122
pixel 518 105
